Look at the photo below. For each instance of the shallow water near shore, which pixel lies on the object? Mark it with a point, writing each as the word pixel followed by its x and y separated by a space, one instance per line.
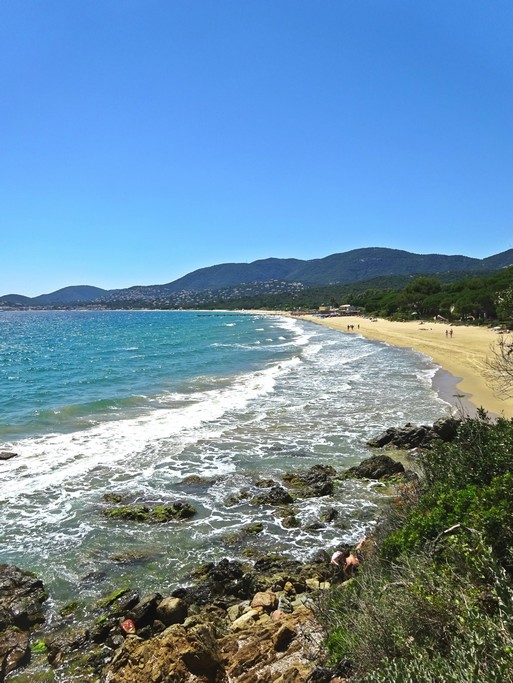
pixel 136 402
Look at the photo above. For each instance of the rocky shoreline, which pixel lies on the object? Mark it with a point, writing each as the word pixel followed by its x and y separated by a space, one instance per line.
pixel 236 622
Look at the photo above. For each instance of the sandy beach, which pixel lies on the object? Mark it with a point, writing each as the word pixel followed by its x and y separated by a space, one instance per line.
pixel 464 355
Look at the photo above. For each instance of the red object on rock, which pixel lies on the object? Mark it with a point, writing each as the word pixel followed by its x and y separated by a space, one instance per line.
pixel 128 626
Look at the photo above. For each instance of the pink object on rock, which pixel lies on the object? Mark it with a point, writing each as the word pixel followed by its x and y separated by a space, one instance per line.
pixel 128 626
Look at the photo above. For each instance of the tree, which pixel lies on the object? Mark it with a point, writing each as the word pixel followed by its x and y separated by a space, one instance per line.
pixel 501 363
pixel 417 293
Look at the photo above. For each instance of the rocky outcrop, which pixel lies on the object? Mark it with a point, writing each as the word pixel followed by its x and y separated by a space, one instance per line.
pixel 178 654
pixel 262 644
pixel 375 467
pixel 413 436
pixel 314 482
pixel 243 623
pixel 22 595
pixel 276 495
pixel 237 622
pixel 151 514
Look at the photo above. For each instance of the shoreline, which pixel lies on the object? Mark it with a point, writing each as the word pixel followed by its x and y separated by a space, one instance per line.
pixel 445 384
pixel 461 358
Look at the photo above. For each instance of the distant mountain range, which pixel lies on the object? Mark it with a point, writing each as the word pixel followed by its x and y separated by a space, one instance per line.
pixel 231 280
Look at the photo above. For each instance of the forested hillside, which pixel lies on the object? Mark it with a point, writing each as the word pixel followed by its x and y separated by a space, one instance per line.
pixel 399 297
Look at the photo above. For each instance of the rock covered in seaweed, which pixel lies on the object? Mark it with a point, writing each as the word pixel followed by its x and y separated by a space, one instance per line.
pixel 314 482
pixel 151 514
pixel 276 495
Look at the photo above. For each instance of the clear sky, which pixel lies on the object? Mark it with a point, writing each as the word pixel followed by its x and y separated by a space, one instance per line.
pixel 142 139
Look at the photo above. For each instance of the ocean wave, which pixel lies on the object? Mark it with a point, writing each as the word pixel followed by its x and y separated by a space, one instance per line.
pixel 56 458
pixel 233 417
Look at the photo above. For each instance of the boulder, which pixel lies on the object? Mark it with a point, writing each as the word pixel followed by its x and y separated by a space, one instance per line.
pixel 267 600
pixel 290 522
pixel 177 654
pixel 329 515
pixel 61 644
pixel 7 455
pixel 446 428
pixel 411 436
pixel 214 582
pixel 21 598
pixel 314 482
pixel 276 495
pixel 14 650
pixel 242 534
pixel 375 467
pixel 171 611
pixel 119 601
pixel 144 612
pixel 247 620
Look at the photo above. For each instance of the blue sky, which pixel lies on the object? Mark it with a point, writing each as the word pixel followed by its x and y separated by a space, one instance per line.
pixel 142 139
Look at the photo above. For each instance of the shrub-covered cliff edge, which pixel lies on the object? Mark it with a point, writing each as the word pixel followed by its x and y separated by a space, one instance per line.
pixel 435 602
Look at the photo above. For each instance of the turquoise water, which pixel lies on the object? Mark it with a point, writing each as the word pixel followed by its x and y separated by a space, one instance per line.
pixel 135 402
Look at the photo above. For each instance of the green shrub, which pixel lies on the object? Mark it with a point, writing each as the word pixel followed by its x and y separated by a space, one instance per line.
pixel 425 619
pixel 480 452
pixel 487 509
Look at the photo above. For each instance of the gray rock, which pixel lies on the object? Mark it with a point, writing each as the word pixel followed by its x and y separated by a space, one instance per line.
pixel 446 428
pixel 375 467
pixel 144 612
pixel 21 598
pixel 276 495
pixel 412 436
pixel 61 644
pixel 171 611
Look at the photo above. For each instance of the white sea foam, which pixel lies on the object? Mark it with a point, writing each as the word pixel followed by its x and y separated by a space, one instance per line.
pixel 58 458
pixel 318 404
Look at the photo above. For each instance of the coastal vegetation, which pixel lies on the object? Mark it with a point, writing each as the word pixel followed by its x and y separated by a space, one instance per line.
pixel 435 602
pixel 474 299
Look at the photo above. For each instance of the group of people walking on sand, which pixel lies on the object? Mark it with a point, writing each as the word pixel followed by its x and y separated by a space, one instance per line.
pixel 448 333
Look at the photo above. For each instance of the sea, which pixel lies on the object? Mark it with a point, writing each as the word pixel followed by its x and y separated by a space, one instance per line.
pixel 195 406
